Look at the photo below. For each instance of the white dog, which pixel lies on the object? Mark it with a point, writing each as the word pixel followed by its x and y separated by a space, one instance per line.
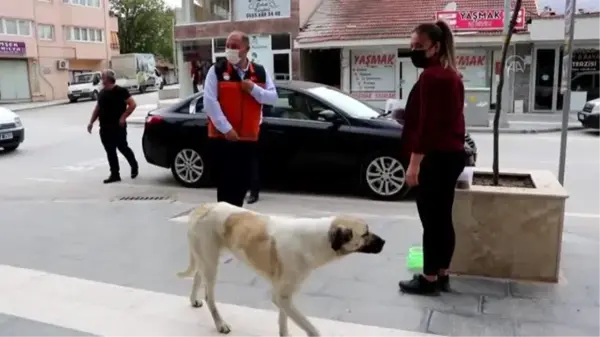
pixel 284 250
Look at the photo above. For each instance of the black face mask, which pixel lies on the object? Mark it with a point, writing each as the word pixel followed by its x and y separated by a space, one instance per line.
pixel 418 58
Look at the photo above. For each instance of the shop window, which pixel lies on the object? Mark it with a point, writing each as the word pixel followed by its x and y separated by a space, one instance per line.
pixel 211 10
pixel 280 41
pixel 281 67
pixel 219 45
pixel 544 79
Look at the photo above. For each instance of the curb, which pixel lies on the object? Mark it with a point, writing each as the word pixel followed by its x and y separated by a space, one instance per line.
pixel 523 131
pixel 41 106
pixel 136 120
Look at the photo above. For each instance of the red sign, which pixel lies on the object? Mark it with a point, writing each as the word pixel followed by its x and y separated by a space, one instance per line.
pixel 470 61
pixel 375 59
pixel 485 19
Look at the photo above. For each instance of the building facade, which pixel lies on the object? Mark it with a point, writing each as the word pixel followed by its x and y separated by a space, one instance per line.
pixel 371 41
pixel 202 27
pixel 44 43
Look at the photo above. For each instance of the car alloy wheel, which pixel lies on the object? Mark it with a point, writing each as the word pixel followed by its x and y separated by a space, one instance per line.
pixel 189 166
pixel 385 176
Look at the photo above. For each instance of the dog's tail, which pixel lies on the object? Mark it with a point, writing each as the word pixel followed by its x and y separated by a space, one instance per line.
pixel 196 215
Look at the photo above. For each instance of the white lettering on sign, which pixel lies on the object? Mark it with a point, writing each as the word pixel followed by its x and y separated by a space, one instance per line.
pixel 470 61
pixel 481 15
pixel 373 75
pixel 375 59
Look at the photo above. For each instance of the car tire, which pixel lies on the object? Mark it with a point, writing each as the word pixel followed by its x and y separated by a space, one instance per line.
pixel 95 95
pixel 72 100
pixel 381 170
pixel 189 168
pixel 10 148
pixel 161 86
pixel 142 89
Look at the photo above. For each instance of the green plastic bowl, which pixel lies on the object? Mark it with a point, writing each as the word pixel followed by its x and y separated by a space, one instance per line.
pixel 414 261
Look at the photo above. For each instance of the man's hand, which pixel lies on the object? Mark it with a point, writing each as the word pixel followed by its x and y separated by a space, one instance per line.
pixel 247 86
pixel 232 136
pixel 122 121
pixel 89 127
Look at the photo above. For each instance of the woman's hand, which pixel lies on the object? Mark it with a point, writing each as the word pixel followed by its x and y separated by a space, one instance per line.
pixel 412 175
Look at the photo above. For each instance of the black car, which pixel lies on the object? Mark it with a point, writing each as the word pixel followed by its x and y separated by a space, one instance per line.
pixel 589 116
pixel 313 131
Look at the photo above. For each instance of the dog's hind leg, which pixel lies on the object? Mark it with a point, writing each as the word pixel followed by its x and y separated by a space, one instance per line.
pixel 210 264
pixel 194 300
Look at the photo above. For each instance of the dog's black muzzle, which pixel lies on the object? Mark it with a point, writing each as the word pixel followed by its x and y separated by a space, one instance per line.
pixel 374 245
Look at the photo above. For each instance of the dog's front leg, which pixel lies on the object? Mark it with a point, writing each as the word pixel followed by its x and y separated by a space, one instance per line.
pixel 285 303
pixel 283 318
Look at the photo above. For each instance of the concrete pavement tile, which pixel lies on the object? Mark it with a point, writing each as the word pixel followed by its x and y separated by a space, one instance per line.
pixel 448 324
pixel 553 329
pixel 16 326
pixel 326 307
pixel 404 318
pixel 479 286
pixel 542 310
pixel 574 291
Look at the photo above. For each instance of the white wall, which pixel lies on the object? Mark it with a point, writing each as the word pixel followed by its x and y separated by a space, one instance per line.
pixel 554 29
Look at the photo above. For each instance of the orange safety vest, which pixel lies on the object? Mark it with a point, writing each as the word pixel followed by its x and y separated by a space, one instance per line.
pixel 239 107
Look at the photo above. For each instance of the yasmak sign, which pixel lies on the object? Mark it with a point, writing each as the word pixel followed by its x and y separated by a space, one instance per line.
pixel 374 59
pixel 481 19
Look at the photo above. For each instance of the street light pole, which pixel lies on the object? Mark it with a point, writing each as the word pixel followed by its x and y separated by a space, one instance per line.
pixel 565 85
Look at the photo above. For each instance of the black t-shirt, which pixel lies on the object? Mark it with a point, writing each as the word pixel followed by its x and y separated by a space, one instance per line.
pixel 112 103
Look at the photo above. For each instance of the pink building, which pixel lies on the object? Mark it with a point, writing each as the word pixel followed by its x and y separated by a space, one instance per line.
pixel 43 43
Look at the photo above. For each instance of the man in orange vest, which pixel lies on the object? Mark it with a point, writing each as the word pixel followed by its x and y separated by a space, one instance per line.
pixel 234 92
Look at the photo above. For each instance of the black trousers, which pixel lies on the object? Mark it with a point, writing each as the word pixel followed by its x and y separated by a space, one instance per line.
pixel 438 175
pixel 255 177
pixel 113 139
pixel 195 87
pixel 232 169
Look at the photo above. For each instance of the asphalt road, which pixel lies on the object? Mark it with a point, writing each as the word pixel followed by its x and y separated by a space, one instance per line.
pixel 58 217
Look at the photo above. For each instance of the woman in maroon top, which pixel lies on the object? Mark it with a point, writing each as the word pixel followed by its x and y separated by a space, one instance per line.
pixel 434 133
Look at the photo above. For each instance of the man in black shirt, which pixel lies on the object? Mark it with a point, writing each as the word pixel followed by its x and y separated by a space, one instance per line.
pixel 114 105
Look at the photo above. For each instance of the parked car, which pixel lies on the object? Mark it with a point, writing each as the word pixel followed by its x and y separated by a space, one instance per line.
pixel 12 132
pixel 589 116
pixel 312 131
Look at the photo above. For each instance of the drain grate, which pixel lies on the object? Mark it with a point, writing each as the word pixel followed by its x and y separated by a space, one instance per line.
pixel 144 198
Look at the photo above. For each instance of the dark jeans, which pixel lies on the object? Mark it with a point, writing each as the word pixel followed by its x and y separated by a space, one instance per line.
pixel 255 178
pixel 232 169
pixel 113 139
pixel 435 197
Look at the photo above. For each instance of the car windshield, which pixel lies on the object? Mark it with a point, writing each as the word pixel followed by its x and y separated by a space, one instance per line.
pixel 83 78
pixel 352 106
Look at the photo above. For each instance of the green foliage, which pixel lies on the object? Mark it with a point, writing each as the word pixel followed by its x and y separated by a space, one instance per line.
pixel 145 26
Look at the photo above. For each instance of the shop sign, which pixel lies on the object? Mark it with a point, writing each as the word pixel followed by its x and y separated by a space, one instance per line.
pixel 244 10
pixel 373 75
pixel 472 64
pixel 585 60
pixel 261 51
pixel 483 19
pixel 12 48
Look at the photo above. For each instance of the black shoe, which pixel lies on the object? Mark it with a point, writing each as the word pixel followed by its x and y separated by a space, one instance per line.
pixel 134 172
pixel 112 179
pixel 443 282
pixel 419 285
pixel 251 199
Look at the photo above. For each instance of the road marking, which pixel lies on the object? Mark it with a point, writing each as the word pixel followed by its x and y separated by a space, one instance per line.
pixel 111 310
pixel 47 180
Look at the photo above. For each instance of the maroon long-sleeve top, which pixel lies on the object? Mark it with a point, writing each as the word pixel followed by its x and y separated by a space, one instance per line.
pixel 434 119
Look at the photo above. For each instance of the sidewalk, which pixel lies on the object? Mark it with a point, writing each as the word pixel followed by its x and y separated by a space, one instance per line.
pixel 33 105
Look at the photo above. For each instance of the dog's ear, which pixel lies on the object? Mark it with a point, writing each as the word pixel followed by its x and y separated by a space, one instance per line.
pixel 338 236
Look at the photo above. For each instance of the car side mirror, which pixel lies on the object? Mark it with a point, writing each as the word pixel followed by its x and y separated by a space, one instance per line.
pixel 329 116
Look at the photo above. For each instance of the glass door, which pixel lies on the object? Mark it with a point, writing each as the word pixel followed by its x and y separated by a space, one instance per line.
pixel 545 81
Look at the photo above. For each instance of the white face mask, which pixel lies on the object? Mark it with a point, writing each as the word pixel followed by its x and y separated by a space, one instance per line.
pixel 232 55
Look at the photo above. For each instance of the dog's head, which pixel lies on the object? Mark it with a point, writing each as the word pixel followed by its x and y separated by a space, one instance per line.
pixel 351 235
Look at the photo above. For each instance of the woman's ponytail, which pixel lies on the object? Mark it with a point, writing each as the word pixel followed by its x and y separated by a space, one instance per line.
pixel 447 50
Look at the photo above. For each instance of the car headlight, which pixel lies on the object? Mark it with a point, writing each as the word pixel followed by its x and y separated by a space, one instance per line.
pixel 18 122
pixel 596 108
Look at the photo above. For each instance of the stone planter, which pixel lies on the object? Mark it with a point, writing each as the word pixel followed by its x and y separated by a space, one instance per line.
pixel 510 232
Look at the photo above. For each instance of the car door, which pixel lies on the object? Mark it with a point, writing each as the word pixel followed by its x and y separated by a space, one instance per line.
pixel 297 138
